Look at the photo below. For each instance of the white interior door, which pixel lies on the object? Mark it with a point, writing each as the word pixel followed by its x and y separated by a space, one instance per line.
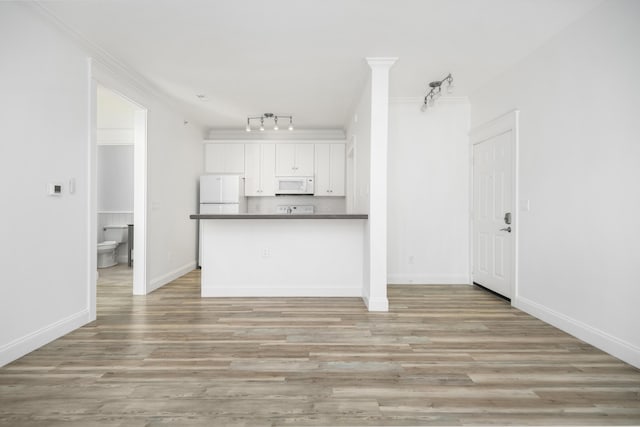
pixel 493 214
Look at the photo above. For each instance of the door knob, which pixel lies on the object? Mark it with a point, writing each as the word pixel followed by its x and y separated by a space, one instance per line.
pixel 508 229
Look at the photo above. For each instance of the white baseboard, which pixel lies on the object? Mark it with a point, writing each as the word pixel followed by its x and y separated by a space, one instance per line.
pixel 261 291
pixel 428 279
pixel 26 344
pixel 376 304
pixel 621 349
pixel 158 282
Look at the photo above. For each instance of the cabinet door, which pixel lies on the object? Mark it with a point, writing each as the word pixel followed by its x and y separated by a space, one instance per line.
pixel 214 158
pixel 224 158
pixel 285 159
pixel 234 158
pixel 337 170
pixel 322 185
pixel 252 170
pixel 304 159
pixel 268 170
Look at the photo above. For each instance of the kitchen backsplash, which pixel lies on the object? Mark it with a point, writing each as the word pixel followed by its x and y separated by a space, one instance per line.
pixel 268 205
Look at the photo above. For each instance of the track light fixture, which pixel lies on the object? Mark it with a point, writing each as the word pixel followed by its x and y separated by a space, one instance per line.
pixel 436 90
pixel 268 116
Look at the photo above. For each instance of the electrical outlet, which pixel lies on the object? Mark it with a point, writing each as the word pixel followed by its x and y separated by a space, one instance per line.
pixel 266 253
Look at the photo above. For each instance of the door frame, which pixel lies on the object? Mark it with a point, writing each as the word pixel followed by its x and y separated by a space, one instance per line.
pixel 99 75
pixel 508 122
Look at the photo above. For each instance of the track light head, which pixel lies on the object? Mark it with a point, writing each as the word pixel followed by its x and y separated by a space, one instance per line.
pixel 269 116
pixel 436 91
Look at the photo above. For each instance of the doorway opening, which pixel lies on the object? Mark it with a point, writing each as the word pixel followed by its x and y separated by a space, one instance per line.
pixel 118 178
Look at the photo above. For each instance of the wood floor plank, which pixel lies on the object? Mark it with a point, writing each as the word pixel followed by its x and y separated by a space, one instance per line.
pixel 443 355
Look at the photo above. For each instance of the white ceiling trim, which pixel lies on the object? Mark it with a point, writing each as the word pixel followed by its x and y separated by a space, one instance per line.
pixel 418 100
pixel 107 61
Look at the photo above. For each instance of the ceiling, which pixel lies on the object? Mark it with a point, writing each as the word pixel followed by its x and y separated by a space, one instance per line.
pixel 306 57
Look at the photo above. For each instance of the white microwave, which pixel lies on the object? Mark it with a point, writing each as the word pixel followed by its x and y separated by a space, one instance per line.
pixel 294 185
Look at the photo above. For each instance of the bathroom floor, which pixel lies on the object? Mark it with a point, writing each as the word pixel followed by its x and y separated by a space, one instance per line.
pixel 120 275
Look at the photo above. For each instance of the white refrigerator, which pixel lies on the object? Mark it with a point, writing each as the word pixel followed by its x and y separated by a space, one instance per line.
pixel 220 194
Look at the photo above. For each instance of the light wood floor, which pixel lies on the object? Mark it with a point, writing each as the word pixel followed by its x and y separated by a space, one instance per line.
pixel 443 355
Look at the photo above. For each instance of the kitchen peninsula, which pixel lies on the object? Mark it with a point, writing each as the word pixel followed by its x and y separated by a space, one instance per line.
pixel 260 255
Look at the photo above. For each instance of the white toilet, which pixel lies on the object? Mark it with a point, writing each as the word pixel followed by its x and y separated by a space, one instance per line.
pixel 114 235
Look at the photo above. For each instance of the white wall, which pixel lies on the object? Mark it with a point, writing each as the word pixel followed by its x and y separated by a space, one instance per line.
pixel 115 119
pixel 428 181
pixel 45 86
pixel 579 168
pixel 115 178
pixel 359 134
pixel 114 111
pixel 357 192
pixel 174 167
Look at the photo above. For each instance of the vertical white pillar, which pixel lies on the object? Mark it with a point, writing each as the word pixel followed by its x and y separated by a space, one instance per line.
pixel 92 180
pixel 140 203
pixel 376 297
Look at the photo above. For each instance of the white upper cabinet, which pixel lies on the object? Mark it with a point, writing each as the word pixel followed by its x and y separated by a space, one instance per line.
pixel 261 162
pixel 224 158
pixel 294 159
pixel 330 169
pixel 260 165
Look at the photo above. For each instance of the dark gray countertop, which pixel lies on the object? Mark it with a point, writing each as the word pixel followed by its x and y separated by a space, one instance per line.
pixel 279 216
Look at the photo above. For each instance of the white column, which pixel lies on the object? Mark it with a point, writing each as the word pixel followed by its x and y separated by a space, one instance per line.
pixel 376 295
pixel 140 215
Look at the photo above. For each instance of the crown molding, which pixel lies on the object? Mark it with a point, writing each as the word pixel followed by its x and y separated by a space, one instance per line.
pixel 385 62
pixel 106 60
pixel 418 100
